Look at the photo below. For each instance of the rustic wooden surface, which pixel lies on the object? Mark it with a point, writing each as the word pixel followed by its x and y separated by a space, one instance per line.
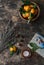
pixel 7 11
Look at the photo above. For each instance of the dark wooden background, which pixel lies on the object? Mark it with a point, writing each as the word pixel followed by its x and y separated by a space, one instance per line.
pixel 32 28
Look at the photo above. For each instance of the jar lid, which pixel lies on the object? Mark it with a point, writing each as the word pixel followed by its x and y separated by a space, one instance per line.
pixel 26 53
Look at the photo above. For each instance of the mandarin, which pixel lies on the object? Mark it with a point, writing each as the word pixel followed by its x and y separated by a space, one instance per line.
pixel 26 8
pixel 32 10
pixel 26 15
pixel 11 49
pixel 14 48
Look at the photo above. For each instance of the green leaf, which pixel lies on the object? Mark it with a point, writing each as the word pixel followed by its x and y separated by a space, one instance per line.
pixel 31 15
pixel 11 53
pixel 26 1
pixel 34 6
pixel 35 47
pixel 22 11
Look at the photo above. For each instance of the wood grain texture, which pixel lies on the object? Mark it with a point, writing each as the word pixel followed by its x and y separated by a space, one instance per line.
pixel 10 8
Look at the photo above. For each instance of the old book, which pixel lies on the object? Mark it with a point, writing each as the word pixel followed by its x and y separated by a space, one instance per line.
pixel 37 44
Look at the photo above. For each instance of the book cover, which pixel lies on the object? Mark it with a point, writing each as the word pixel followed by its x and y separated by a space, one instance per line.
pixel 37 44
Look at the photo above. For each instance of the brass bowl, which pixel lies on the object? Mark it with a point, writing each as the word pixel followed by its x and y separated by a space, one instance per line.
pixel 35 16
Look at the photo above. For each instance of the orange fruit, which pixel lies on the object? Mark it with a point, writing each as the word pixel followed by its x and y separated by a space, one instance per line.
pixel 11 49
pixel 14 48
pixel 31 6
pixel 33 11
pixel 26 8
pixel 26 15
pixel 23 15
